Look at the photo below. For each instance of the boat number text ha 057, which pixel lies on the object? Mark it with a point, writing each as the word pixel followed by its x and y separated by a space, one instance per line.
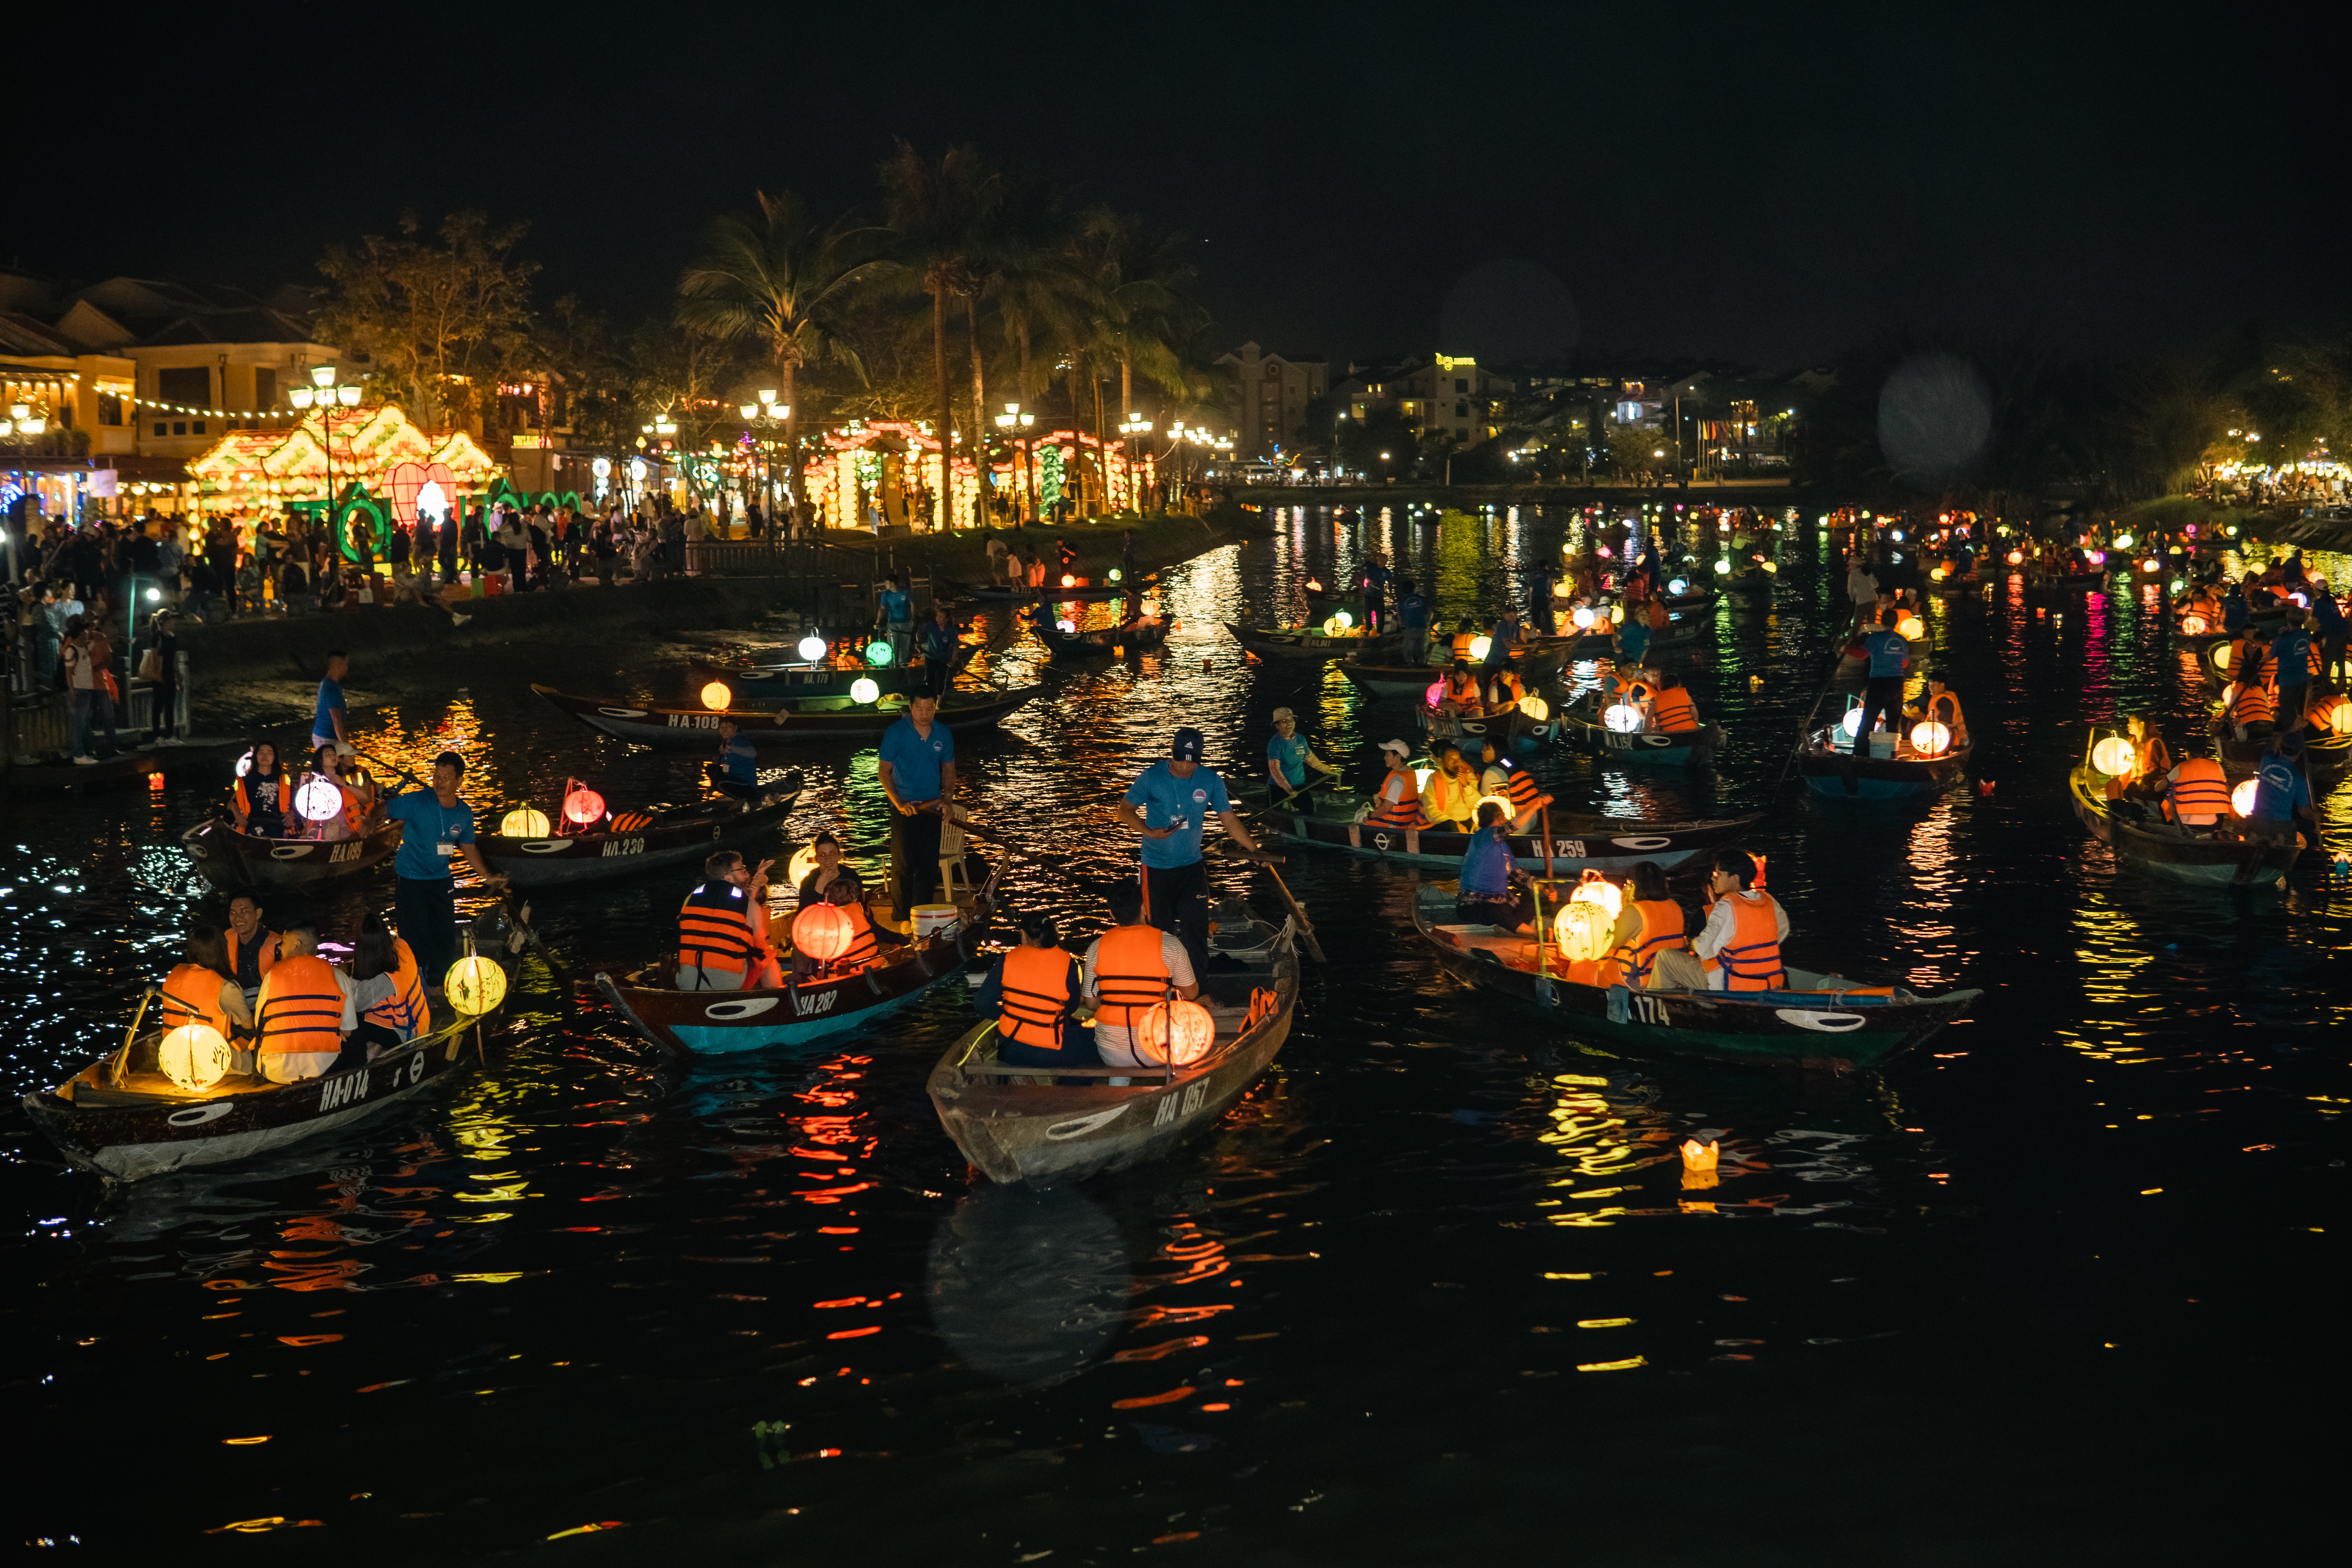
pixel 624 847
pixel 693 720
pixel 1168 1106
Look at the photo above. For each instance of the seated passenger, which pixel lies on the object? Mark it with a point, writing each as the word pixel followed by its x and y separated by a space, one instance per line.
pixel 1494 890
pixel 1032 992
pixel 1672 710
pixel 1499 775
pixel 1504 687
pixel 1130 969
pixel 1650 935
pixel 305 1009
pixel 202 989
pixel 722 929
pixel 387 991
pixel 846 892
pixel 261 799
pixel 248 948
pixel 2197 792
pixel 1740 945
pixel 1451 798
pixel 1461 693
pixel 1397 805
pixel 829 868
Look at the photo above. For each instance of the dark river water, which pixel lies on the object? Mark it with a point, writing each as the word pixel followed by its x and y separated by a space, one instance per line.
pixel 2052 1290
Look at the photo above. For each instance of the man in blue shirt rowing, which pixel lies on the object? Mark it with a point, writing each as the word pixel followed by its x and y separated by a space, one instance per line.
pixel 435 828
pixel 1170 805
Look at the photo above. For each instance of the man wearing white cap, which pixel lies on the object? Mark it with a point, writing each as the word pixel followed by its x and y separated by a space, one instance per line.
pixel 1170 805
pixel 1398 805
pixel 1291 762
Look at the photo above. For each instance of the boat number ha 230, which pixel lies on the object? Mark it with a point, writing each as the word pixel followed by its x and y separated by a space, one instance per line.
pixel 693 720
pixel 624 847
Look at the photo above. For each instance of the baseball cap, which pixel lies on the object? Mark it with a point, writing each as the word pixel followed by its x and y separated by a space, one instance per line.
pixel 1399 747
pixel 1282 713
pixel 1186 746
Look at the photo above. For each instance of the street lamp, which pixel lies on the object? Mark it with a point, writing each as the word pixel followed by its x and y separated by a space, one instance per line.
pixel 1008 421
pixel 1133 426
pixel 326 395
pixel 767 415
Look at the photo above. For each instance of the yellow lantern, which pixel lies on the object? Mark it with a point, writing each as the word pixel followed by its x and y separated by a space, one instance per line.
pixel 2222 653
pixel 803 861
pixel 193 1056
pixel 1930 738
pixel 2241 799
pixel 1698 1156
pixel 524 822
pixel 716 697
pixel 1596 889
pixel 475 986
pixel 1936 575
pixel 1535 707
pixel 2113 755
pixel 864 690
pixel 1582 929
pixel 1910 628
pixel 2194 625
pixel 1509 811
pixel 2339 717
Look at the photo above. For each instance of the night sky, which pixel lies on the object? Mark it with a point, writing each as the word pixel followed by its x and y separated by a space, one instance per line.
pixel 1763 185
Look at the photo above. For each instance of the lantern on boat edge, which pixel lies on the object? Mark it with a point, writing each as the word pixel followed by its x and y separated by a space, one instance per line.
pixel 582 807
pixel 1509 811
pixel 523 822
pixel 864 690
pixel 1679 586
pixel 1345 620
pixel 2017 558
pixel 1582 617
pixel 2339 716
pixel 2193 626
pixel 1066 626
pixel 1435 693
pixel 1176 1033
pixel 1150 610
pixel 2241 799
pixel 1068 580
pixel 718 696
pixel 1535 707
pixel 1699 1161
pixel 475 986
pixel 803 861
pixel 1596 889
pixel 2222 652
pixel 1313 586
pixel 1852 723
pixel 193 1056
pixel 2113 755
pixel 319 800
pixel 1623 717
pixel 1116 574
pixel 1581 930
pixel 812 648
pixel 1930 738
pixel 1722 568
pixel 824 932
pixel 1910 628
pixel 1480 646
pixel 877 654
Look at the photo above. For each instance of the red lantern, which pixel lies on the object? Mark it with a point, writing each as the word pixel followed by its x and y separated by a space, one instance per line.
pixel 584 806
pixel 824 932
pixel 1176 1032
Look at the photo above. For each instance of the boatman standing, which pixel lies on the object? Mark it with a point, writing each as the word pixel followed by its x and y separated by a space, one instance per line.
pixel 918 769
pixel 435 828
pixel 1881 697
pixel 1170 805
pixel 2283 804
pixel 1291 762
pixel 1413 615
pixel 331 725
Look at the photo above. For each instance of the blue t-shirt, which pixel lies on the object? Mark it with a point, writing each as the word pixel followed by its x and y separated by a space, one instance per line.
pixel 915 761
pixel 1413 611
pixel 1486 864
pixel 430 834
pixel 936 641
pixel 1289 757
pixel 2235 613
pixel 331 700
pixel 2326 613
pixel 1167 800
pixel 898 608
pixel 1889 654
pixel 2280 789
pixel 739 760
pixel 1633 639
pixel 2291 651
pixel 1376 579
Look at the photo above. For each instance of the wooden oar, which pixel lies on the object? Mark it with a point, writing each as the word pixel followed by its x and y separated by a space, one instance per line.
pixel 1297 910
pixel 562 975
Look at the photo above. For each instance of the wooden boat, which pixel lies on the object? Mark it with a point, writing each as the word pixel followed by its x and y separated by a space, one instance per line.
pixel 1034 1125
pixel 1377 679
pixel 1307 642
pixel 1577 726
pixel 2136 830
pixel 1824 1021
pixel 1511 729
pixel 1136 635
pixel 808 719
pixel 1580 841
pixel 2066 582
pixel 2324 757
pixel 675 832
pixel 1084 593
pixel 122 1117
pixel 229 858
pixel 1842 775
pixel 832 679
pixel 715 1023
pixel 62 775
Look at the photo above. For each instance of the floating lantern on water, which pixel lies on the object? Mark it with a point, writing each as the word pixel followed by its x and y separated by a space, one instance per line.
pixel 1176 1032
pixel 2113 755
pixel 1314 585
pixel 524 822
pixel 193 1056
pixel 2241 799
pixel 1623 717
pixel 864 690
pixel 582 807
pixel 319 800
pixel 1930 738
pixel 812 648
pixel 716 697
pixel 475 986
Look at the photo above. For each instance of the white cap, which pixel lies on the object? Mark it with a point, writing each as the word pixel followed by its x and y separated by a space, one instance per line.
pixel 1399 747
pixel 1282 713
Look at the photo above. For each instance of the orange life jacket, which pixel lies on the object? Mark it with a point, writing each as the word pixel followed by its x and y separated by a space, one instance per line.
pixel 1036 996
pixel 404 1011
pixel 1674 711
pixel 1405 810
pixel 1752 959
pixel 715 930
pixel 1462 645
pixel 864 951
pixel 1662 930
pixel 265 944
pixel 358 796
pixel 1520 786
pixel 2322 711
pixel 2201 790
pixel 2252 705
pixel 1462 687
pixel 1505 688
pixel 241 793
pixel 1657 617
pixel 1131 974
pixel 301 1007
pixel 192 995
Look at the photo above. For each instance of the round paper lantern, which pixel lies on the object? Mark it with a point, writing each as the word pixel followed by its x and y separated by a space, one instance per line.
pixel 2193 625
pixel 524 822
pixel 877 654
pixel 1582 929
pixel 1116 574
pixel 2241 799
pixel 2221 654
pixel 1582 617
pixel 582 807
pixel 1480 647
pixel 1345 619
pixel 1334 627
pixel 1623 717
pixel 2123 541
pixel 1436 691
pixel 193 1056
pixel 475 986
pixel 803 861
pixel 1852 723
pixel 1535 707
pixel 319 800
pixel 1068 580
pixel 1150 610
pixel 1175 1032
pixel 1679 586
pixel 1910 627
pixel 2017 558
pixel 2339 717
pixel 1930 738
pixel 1066 626
pixel 1509 811
pixel 716 696
pixel 863 691
pixel 1723 568
pixel 812 648
pixel 1936 573
pixel 2113 755
pixel 245 763
pixel 824 932
pixel 1596 889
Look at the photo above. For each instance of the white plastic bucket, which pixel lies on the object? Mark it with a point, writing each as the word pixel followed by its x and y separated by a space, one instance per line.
pixel 931 918
pixel 1882 743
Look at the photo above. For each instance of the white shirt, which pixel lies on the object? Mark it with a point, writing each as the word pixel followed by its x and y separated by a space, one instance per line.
pixel 1719 929
pixel 1113 1044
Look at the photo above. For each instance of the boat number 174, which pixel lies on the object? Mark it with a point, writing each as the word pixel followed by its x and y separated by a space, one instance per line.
pixel 1649 1009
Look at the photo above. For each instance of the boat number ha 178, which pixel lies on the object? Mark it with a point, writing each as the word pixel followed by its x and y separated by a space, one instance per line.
pixel 624 847
pixel 693 720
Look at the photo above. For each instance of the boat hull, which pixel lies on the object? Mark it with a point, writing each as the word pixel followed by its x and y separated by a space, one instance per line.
pixel 1842 775
pixel 566 859
pixel 2203 862
pixel 655 726
pixel 1578 842
pixel 1640 748
pixel 1104 642
pixel 227 859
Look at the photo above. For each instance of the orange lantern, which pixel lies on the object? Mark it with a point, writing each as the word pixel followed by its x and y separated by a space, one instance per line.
pixel 824 932
pixel 1068 580
pixel 1930 738
pixel 2017 558
pixel 584 806
pixel 716 697
pixel 2241 799
pixel 2194 625
pixel 1176 1032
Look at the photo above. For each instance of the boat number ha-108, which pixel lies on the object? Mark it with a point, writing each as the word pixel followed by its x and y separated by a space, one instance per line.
pixel 693 720
pixel 624 847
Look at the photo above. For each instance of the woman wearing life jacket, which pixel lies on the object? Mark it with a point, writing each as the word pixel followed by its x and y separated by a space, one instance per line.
pixel 1672 712
pixel 1451 798
pixel 1032 992
pixel 1461 693
pixel 305 1003
pixel 1464 634
pixel 328 765
pixel 1505 687
pixel 201 989
pixel 263 796
pixel 846 893
pixel 389 992
pixel 722 929
pixel 1398 805
pixel 2250 712
pixel 1740 945
pixel 1130 969
pixel 1649 929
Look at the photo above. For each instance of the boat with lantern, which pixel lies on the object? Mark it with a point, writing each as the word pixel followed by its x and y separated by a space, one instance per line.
pixel 1615 734
pixel 861 715
pixel 1062 588
pixel 2138 830
pixel 827 676
pixel 1050 1125
pixel 1822 1020
pixel 1318 642
pixel 229 858
pixel 1578 841
pixel 1522 726
pixel 715 1023
pixel 1921 765
pixel 588 842
pixel 2326 756
pixel 166 1101
pixel 1138 634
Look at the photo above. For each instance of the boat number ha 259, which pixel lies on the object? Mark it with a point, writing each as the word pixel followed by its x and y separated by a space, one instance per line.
pixel 1568 848
pixel 693 720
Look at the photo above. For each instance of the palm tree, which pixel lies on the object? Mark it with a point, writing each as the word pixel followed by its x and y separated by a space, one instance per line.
pixel 944 214
pixel 782 278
